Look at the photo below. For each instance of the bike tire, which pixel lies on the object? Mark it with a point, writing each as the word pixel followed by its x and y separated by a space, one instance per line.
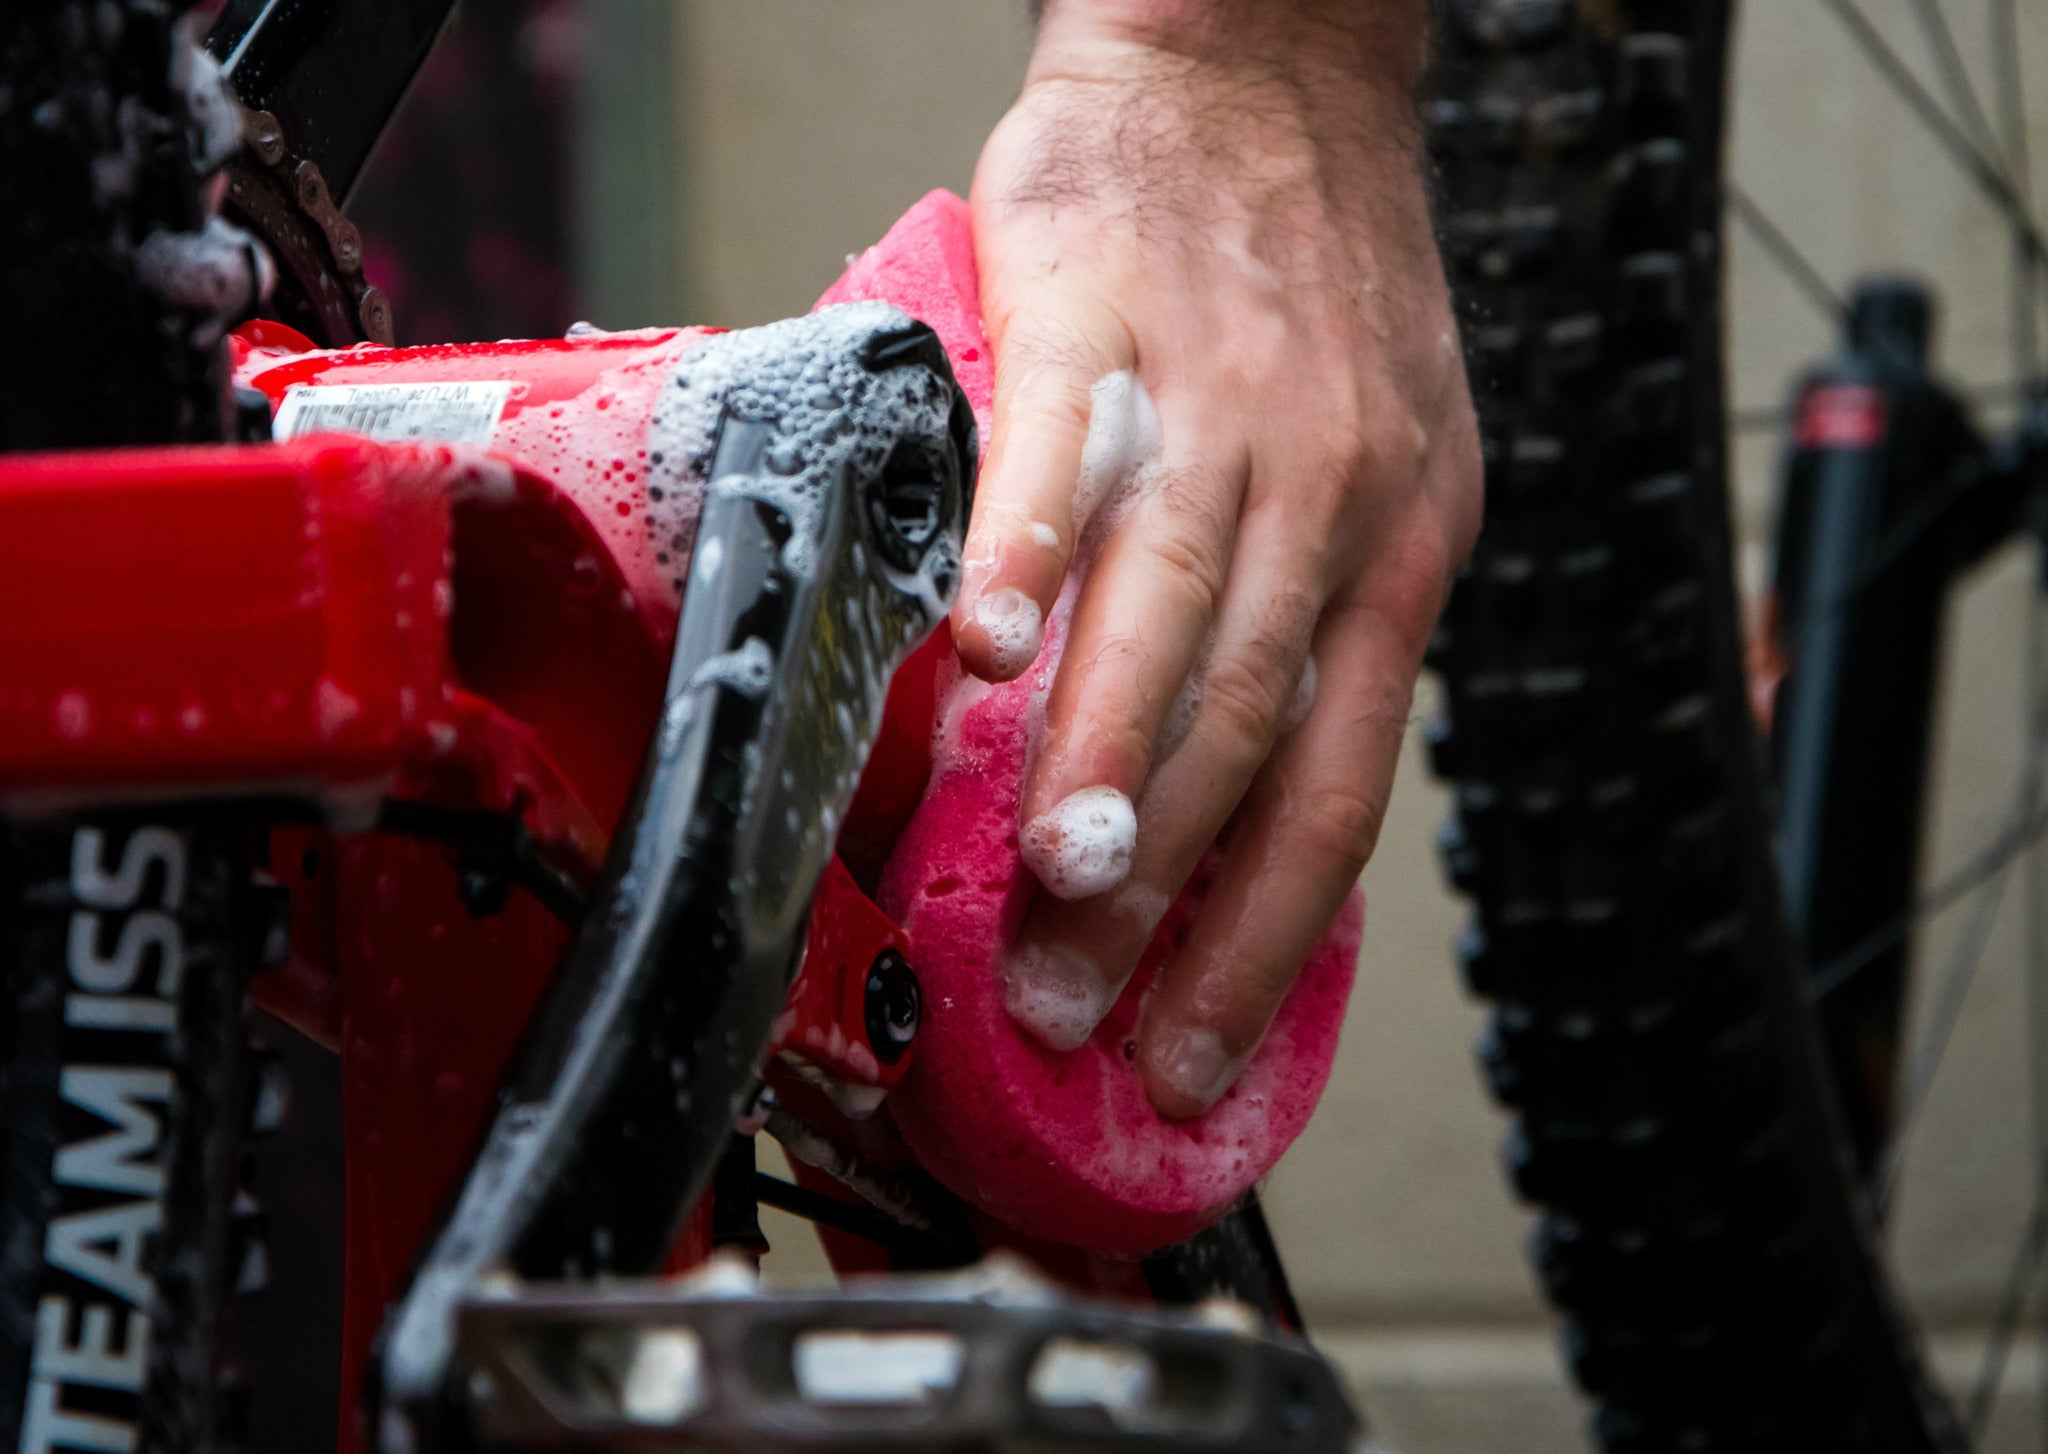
pixel 102 158
pixel 1701 1228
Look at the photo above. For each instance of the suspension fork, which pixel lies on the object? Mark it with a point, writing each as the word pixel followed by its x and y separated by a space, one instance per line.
pixel 1888 494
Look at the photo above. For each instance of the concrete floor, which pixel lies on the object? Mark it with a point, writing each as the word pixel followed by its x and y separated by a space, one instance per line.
pixel 802 128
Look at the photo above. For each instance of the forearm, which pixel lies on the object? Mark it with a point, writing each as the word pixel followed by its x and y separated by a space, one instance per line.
pixel 1382 43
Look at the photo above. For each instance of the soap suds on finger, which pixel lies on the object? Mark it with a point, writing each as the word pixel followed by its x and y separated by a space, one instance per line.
pixel 1123 439
pixel 1058 995
pixel 1304 698
pixel 1083 845
pixel 1011 622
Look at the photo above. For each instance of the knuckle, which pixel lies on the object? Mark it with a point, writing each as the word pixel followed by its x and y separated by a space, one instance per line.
pixel 1070 333
pixel 1194 497
pixel 1339 827
pixel 1114 653
pixel 1397 445
pixel 1345 439
pixel 1053 399
pixel 1245 698
pixel 1191 562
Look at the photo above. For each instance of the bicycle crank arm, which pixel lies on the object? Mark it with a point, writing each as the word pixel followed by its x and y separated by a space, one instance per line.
pixel 836 454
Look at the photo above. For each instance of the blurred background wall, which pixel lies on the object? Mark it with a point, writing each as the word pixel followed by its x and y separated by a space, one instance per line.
pixel 728 154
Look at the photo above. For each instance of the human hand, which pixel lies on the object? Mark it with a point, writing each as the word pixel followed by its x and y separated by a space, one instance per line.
pixel 1221 200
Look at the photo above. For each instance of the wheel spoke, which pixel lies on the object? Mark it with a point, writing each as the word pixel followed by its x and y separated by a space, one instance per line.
pixel 1987 865
pixel 1985 171
pixel 2012 110
pixel 2012 1302
pixel 1782 250
pixel 1908 530
pixel 2036 965
pixel 1941 39
pixel 1954 990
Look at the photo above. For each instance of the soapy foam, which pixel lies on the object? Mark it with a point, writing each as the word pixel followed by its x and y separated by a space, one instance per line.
pixel 833 413
pixel 749 670
pixel 1083 845
pixel 1011 622
pixel 1058 995
pixel 1304 697
pixel 1123 442
pixel 1187 703
pixel 218 270
pixel 597 444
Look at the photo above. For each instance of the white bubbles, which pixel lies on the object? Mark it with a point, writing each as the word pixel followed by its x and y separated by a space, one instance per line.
pixel 71 715
pixel 1083 846
pixel 1304 698
pixel 334 708
pixel 949 742
pixel 750 670
pixel 218 269
pixel 1123 438
pixel 1059 995
pixel 831 413
pixel 1014 628
pixel 710 560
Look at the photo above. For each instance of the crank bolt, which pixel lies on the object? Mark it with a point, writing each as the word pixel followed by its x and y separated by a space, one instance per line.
pixel 895 1004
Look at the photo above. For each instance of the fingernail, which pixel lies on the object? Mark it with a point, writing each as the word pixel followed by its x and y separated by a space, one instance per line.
pixel 1083 846
pixel 1011 622
pixel 1057 994
pixel 1194 1064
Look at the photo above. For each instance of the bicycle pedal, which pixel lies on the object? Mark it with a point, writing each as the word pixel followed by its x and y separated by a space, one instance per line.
pixel 991 1358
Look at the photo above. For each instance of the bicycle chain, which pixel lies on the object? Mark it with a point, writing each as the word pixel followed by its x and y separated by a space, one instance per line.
pixel 284 198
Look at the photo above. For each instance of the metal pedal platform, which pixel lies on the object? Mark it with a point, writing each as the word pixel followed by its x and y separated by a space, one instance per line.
pixel 993 1359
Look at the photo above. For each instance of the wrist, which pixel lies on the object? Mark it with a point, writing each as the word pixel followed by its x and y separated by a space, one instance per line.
pixel 1381 44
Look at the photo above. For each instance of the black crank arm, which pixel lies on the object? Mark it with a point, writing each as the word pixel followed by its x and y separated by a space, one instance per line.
pixel 839 462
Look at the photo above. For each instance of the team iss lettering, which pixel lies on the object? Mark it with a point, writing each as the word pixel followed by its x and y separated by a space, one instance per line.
pixel 123 954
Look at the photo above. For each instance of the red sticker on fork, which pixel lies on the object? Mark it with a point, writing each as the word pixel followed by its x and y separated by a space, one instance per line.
pixel 1841 416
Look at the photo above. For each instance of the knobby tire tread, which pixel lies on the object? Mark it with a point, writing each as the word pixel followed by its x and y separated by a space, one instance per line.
pixel 1698 1227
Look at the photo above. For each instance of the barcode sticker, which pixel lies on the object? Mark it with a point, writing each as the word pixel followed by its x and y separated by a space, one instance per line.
pixel 459 413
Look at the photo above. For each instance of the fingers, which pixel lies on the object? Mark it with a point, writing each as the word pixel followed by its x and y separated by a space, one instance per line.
pixel 1070 960
pixel 1299 843
pixel 1023 533
pixel 1136 635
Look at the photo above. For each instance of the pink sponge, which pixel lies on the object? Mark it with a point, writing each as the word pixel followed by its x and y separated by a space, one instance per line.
pixel 1060 1146
pixel 1066 1146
